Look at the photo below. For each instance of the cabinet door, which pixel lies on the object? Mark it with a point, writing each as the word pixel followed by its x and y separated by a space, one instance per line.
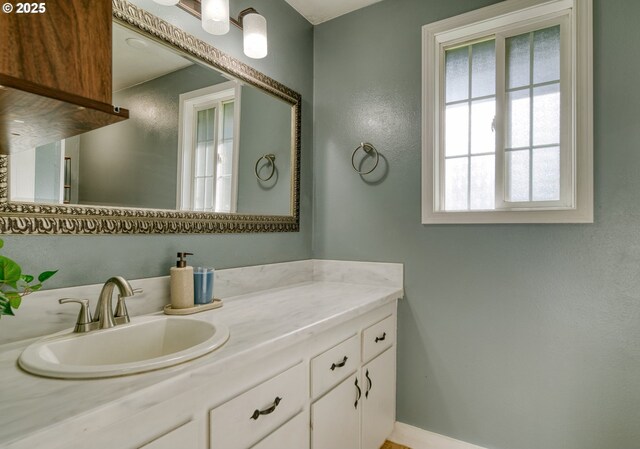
pixel 335 417
pixel 292 435
pixel 184 437
pixel 379 399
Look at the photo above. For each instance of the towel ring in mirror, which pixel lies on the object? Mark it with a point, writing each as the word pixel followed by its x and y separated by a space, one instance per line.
pixel 368 148
pixel 271 158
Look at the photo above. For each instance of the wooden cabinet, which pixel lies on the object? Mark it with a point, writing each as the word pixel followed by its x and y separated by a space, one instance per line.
pixel 335 418
pixel 379 400
pixel 184 437
pixel 55 72
pixel 244 420
pixel 360 411
pixel 292 435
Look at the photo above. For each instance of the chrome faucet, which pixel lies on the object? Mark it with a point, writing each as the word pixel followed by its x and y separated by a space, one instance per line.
pixel 104 317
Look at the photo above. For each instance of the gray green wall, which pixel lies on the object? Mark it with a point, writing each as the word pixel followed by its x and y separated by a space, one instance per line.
pixel 141 153
pixel 510 336
pixel 265 128
pixel 93 259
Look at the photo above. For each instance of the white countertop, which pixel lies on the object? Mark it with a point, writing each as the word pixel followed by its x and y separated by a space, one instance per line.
pixel 267 320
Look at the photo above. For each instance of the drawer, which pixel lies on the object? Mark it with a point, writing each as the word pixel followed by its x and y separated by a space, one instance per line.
pixel 378 337
pixel 332 366
pixel 247 418
pixel 184 437
pixel 292 435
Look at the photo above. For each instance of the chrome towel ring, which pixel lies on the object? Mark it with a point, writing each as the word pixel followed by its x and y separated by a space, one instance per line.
pixel 271 158
pixel 368 148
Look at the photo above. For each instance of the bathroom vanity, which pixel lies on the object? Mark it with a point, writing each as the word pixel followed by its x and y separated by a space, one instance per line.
pixel 310 363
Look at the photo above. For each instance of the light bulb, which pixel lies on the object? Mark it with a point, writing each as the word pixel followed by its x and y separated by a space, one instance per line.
pixel 167 2
pixel 255 36
pixel 215 16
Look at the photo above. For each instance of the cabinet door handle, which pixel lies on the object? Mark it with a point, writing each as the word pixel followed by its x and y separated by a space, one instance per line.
pixel 370 386
pixel 384 335
pixel 359 394
pixel 266 411
pixel 339 364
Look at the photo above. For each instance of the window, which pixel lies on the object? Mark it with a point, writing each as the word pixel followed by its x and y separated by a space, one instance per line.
pixel 507 112
pixel 208 156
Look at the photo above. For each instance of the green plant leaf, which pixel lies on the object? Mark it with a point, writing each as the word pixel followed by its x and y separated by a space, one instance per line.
pixel 1 243
pixel 10 272
pixel 46 275
pixel 27 278
pixel 15 302
pixel 5 309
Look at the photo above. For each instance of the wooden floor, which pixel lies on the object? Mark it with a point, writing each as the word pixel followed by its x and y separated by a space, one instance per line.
pixel 389 445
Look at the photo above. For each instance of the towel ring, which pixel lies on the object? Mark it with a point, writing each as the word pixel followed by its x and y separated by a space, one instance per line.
pixel 368 148
pixel 271 158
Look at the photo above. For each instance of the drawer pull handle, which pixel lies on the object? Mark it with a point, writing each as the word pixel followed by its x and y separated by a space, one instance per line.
pixel 370 386
pixel 339 364
pixel 359 395
pixel 266 411
pixel 384 335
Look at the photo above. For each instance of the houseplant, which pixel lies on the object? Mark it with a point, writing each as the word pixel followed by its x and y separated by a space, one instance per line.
pixel 14 284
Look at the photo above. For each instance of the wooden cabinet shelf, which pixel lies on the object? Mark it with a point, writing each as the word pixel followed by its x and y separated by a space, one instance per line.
pixel 55 73
pixel 32 115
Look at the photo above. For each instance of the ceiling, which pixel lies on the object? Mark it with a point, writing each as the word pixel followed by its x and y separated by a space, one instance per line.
pixel 318 11
pixel 144 61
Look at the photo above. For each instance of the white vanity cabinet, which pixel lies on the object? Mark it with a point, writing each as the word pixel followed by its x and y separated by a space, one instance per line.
pixel 360 411
pixel 246 419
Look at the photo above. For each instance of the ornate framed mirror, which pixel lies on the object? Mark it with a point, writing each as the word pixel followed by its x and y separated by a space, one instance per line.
pixel 211 146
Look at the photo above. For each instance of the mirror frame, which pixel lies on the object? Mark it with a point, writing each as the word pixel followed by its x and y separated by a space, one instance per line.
pixel 33 218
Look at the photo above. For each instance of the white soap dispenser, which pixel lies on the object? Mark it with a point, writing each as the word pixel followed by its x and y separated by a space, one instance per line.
pixel 182 283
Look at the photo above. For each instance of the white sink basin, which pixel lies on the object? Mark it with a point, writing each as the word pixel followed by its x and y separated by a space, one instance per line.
pixel 145 344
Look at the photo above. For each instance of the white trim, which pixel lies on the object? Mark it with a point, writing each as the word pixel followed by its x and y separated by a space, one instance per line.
pixel 417 438
pixel 193 101
pixel 481 21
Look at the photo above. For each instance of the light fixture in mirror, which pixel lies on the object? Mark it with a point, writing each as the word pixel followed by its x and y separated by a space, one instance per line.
pixel 255 35
pixel 253 24
pixel 186 160
pixel 215 16
pixel 167 2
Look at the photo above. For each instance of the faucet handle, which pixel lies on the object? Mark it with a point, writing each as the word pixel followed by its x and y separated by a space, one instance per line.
pixel 84 316
pixel 122 314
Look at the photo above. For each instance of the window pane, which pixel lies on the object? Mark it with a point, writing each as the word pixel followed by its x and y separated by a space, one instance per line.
pixel 204 130
pixel 225 159
pixel 483 182
pixel 456 183
pixel 546 55
pixel 198 194
pixel 546 115
pixel 483 69
pixel 457 129
pixel 223 194
pixel 457 74
pixel 211 152
pixel 201 159
pixel 518 175
pixel 483 139
pixel 518 59
pixel 546 174
pixel 519 119
pixel 208 201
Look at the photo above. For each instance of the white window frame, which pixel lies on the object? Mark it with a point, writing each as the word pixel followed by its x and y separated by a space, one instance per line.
pixel 504 19
pixel 190 104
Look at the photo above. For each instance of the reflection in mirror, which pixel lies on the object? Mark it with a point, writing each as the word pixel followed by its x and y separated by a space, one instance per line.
pixel 192 142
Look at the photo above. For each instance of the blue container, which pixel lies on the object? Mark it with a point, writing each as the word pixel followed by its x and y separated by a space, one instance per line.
pixel 202 285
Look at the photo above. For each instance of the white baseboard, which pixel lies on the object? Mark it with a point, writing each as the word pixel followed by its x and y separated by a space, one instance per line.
pixel 417 438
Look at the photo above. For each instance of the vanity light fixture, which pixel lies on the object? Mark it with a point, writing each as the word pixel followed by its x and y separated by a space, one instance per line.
pixel 214 15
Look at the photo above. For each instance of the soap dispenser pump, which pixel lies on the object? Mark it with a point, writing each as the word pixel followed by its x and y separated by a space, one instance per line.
pixel 182 283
